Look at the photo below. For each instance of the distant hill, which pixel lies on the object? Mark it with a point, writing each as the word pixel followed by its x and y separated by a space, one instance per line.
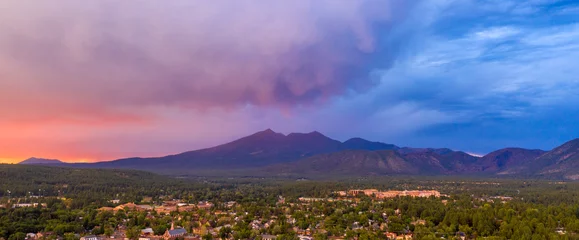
pixel 24 179
pixel 40 161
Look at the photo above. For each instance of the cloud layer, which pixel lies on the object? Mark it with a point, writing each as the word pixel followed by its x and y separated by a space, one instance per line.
pixel 109 55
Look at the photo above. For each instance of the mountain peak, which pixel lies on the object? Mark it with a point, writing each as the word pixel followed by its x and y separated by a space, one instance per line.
pixel 267 132
pixel 316 133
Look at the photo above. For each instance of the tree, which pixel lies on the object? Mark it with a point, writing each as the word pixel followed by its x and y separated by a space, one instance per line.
pixel 133 233
pixel 225 232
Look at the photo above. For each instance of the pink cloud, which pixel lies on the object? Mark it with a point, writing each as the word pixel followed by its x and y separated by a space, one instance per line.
pixel 111 54
pixel 109 78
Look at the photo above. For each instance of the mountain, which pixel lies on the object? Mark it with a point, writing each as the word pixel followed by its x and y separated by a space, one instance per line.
pixel 259 149
pixel 381 162
pixel 40 161
pixel 271 153
pixel 446 160
pixel 561 162
pixel 349 162
pixel 508 161
pixel 363 144
pixel 406 150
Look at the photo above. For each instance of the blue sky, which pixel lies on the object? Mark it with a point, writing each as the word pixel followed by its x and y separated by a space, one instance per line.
pixel 117 79
pixel 486 75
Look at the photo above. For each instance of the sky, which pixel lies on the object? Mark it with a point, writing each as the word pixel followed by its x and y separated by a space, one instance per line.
pixel 85 81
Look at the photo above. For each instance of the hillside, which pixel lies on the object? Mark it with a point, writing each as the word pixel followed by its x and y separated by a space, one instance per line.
pixel 363 144
pixel 561 162
pixel 349 162
pixel 383 162
pixel 508 161
pixel 21 179
pixel 40 161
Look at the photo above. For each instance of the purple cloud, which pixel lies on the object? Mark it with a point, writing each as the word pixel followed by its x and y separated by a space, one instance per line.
pixel 110 54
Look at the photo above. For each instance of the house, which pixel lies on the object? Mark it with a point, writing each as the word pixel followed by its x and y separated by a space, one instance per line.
pixel 106 209
pixel 174 233
pixel 30 236
pixel 268 237
pixel 204 205
pixel 561 231
pixel 407 236
pixel 90 237
pixel 24 205
pixel 115 201
pixel 44 234
pixel 230 204
pixel 147 231
pixel 130 206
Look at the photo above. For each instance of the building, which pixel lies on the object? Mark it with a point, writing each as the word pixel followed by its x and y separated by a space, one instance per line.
pixel 174 233
pixel 230 204
pixel 393 194
pixel 130 206
pixel 268 237
pixel 90 237
pixel 147 232
pixel 106 209
pixel 204 205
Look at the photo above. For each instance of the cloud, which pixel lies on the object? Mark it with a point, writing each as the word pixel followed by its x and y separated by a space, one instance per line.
pixel 496 33
pixel 109 56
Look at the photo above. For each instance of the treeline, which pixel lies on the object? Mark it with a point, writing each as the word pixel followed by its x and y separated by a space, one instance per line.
pixel 537 210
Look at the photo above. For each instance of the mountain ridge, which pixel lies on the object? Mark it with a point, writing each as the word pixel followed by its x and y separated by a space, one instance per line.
pixel 270 153
pixel 38 161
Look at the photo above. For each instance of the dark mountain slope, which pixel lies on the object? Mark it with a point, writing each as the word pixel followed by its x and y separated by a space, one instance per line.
pixel 508 161
pixel 260 149
pixel 40 161
pixel 383 162
pixel 561 162
pixel 349 162
pixel 406 150
pixel 446 160
pixel 363 144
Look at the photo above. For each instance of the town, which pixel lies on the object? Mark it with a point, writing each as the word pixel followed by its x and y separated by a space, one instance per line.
pixel 305 218
pixel 390 208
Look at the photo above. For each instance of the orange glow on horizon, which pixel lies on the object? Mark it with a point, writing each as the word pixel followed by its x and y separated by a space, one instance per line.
pixel 15 160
